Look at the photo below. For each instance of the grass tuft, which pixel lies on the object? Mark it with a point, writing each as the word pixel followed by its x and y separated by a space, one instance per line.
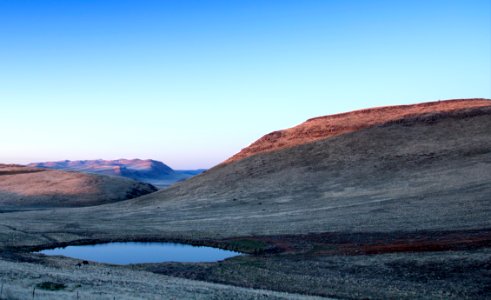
pixel 51 286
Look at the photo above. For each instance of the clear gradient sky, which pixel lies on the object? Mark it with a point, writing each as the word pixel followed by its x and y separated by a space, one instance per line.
pixel 192 82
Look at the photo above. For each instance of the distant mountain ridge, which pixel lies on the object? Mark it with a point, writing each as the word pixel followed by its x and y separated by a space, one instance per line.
pixel 145 170
pixel 132 168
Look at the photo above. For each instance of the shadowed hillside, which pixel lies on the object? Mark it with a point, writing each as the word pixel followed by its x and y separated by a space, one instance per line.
pixel 424 171
pixel 29 187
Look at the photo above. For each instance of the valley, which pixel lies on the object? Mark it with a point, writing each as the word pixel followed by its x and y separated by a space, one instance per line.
pixel 396 206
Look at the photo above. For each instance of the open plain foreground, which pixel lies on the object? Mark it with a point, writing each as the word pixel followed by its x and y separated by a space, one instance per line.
pixel 396 206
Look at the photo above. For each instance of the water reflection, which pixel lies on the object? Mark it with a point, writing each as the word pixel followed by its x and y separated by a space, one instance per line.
pixel 134 252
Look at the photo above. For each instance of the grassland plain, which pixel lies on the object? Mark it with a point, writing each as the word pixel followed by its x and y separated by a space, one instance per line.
pixel 399 209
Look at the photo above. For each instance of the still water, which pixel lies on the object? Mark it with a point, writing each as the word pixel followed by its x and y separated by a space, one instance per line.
pixel 133 253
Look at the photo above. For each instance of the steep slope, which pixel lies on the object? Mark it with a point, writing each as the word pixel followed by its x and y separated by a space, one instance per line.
pixel 28 187
pixel 150 171
pixel 333 125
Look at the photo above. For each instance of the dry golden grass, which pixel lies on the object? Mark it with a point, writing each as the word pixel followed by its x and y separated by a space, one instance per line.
pixel 23 187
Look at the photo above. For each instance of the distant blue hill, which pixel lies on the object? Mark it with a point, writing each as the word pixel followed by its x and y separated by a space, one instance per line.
pixel 150 171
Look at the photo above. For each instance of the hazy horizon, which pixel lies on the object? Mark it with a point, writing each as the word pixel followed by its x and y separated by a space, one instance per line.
pixel 190 83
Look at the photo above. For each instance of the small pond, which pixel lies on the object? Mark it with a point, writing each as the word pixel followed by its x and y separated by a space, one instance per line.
pixel 134 253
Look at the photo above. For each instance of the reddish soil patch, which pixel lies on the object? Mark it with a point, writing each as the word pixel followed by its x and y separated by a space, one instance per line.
pixel 428 245
pixel 375 243
pixel 333 125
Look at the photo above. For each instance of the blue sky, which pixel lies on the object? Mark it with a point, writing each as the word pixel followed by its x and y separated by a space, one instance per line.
pixel 192 82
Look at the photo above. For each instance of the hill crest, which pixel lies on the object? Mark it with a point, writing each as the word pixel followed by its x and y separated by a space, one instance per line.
pixel 323 127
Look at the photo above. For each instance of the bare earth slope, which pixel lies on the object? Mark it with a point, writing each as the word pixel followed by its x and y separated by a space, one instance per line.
pixel 333 125
pixel 29 187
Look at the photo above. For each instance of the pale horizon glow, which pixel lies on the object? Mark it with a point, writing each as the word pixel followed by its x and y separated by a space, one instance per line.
pixel 190 83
